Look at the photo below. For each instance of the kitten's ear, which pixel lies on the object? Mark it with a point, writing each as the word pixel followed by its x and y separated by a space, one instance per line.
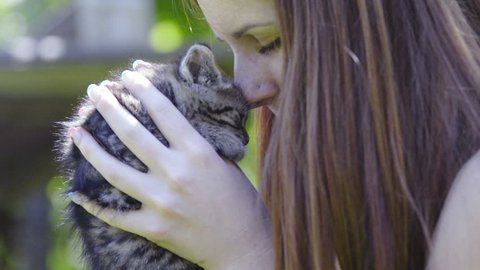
pixel 198 65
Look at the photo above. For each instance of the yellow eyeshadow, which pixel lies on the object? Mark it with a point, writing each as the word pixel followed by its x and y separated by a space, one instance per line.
pixel 264 34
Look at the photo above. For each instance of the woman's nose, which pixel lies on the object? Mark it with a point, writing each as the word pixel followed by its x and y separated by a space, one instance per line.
pixel 257 85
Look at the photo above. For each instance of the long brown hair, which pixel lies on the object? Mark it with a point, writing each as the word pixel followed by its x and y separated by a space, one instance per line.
pixel 379 109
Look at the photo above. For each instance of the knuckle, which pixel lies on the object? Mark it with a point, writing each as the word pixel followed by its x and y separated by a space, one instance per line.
pixel 104 105
pixel 200 153
pixel 139 83
pixel 85 149
pixel 168 206
pixel 155 152
pixel 177 177
pixel 136 85
pixel 181 184
pixel 107 216
pixel 112 175
pixel 131 133
pixel 159 106
pixel 158 231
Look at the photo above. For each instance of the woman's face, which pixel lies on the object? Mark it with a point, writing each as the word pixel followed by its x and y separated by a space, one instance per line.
pixel 251 29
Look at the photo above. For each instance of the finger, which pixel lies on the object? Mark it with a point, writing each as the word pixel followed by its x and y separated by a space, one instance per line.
pixel 130 131
pixel 141 222
pixel 139 64
pixel 174 126
pixel 127 179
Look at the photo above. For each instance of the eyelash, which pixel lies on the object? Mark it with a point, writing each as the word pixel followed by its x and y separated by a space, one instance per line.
pixel 270 47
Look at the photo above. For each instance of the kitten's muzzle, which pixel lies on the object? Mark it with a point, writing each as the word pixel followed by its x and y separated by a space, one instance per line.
pixel 245 138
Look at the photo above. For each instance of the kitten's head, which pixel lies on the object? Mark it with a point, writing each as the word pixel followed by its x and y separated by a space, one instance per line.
pixel 209 100
pixel 220 102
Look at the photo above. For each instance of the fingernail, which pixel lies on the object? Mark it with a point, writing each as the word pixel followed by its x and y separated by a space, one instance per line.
pixel 93 91
pixel 105 83
pixel 74 134
pixel 73 196
pixel 127 75
pixel 137 64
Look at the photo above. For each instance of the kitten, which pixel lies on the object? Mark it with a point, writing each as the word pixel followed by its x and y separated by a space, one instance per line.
pixel 214 107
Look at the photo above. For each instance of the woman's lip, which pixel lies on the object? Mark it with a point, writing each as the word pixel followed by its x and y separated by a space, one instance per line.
pixel 261 94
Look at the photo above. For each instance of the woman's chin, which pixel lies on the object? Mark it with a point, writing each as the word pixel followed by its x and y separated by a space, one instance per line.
pixel 271 104
pixel 273 108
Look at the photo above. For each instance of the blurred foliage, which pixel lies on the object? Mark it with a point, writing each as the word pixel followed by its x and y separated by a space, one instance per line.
pixel 189 23
pixel 166 36
pixel 17 15
pixel 175 25
pixel 65 251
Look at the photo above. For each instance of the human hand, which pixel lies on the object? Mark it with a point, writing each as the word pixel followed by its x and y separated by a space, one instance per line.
pixel 194 203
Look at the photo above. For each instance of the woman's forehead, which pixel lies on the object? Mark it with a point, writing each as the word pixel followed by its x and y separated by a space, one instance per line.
pixel 227 17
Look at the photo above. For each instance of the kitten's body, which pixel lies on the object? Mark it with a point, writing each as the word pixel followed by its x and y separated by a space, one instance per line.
pixel 213 106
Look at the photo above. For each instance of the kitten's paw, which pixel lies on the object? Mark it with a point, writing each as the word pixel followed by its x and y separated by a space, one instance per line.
pixel 231 151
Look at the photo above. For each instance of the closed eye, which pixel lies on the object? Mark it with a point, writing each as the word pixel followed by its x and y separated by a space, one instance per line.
pixel 270 46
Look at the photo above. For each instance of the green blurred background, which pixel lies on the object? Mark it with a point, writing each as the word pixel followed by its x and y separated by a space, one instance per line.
pixel 50 51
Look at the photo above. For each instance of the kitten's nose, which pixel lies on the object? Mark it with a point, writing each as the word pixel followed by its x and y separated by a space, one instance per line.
pixel 245 138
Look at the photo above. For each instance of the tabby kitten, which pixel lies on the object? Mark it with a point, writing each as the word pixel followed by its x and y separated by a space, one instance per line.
pixel 212 104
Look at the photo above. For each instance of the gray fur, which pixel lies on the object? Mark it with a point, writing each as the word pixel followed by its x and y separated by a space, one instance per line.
pixel 214 107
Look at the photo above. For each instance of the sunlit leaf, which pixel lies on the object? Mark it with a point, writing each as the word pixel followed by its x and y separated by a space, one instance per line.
pixel 166 36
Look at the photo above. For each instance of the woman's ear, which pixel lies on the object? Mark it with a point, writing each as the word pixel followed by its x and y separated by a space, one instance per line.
pixel 198 65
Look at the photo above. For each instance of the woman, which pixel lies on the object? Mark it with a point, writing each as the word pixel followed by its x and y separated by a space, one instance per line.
pixel 371 110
